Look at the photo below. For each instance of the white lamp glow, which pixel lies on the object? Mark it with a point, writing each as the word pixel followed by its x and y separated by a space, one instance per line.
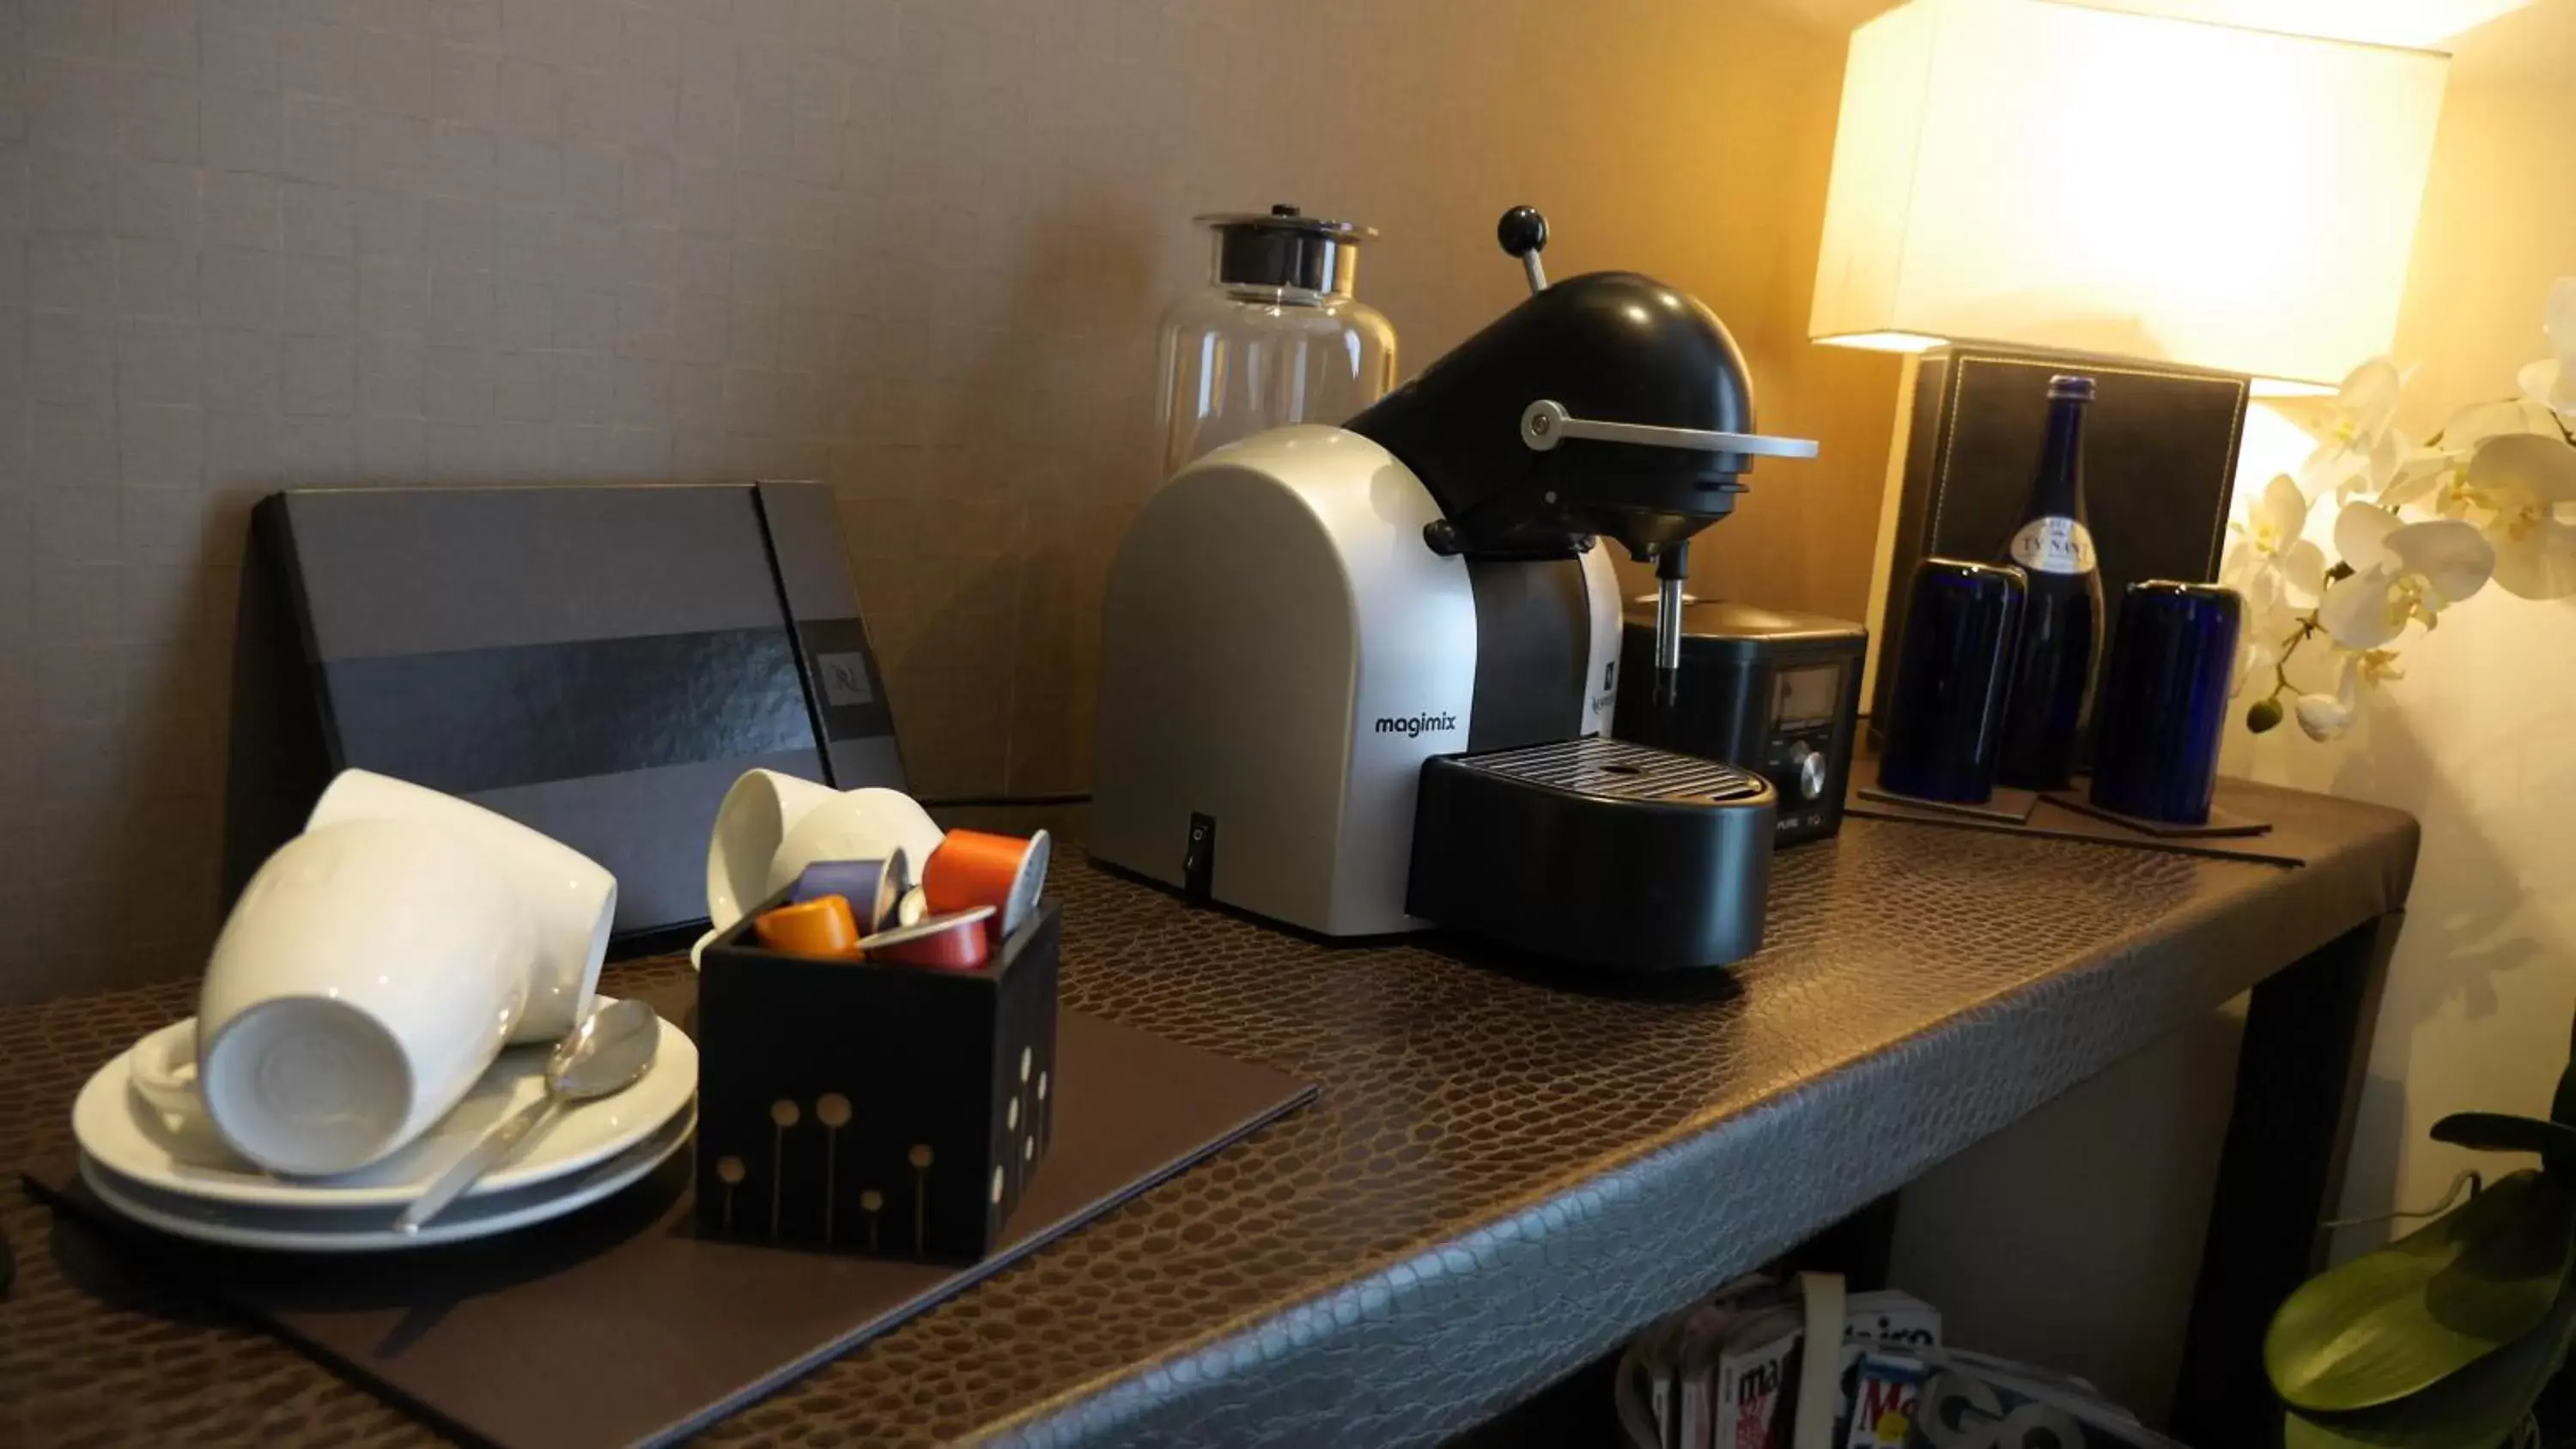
pixel 2054 175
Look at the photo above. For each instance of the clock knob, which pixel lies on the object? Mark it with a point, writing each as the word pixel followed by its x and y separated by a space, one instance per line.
pixel 1809 762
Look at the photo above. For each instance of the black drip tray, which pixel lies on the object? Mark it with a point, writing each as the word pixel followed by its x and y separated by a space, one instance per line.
pixel 1596 851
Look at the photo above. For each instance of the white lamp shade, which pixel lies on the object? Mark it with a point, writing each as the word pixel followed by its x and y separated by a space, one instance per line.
pixel 2378 22
pixel 2053 175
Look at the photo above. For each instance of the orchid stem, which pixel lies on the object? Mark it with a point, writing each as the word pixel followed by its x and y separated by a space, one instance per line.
pixel 2281 667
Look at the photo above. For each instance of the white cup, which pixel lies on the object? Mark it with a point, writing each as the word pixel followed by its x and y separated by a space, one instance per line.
pixel 756 815
pixel 367 977
pixel 866 824
pixel 571 898
pixel 748 848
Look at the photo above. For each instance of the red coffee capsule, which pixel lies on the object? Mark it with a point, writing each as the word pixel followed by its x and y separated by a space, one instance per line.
pixel 954 942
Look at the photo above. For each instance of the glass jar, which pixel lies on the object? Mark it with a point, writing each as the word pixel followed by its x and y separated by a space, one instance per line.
pixel 1276 337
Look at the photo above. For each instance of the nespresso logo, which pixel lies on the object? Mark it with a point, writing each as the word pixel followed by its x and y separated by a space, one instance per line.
pixel 1415 726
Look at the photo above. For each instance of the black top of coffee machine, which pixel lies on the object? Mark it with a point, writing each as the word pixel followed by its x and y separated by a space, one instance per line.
pixel 1482 426
pixel 1606 404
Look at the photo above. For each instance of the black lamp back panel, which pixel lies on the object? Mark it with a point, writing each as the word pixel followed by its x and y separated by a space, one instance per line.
pixel 598 663
pixel 2159 467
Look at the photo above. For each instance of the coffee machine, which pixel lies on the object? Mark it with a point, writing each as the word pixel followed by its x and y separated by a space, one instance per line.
pixel 1360 679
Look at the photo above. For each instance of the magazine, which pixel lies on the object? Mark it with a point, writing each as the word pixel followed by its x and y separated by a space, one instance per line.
pixel 1701 1340
pixel 1890 1318
pixel 1723 1374
pixel 1644 1387
pixel 1653 1384
pixel 1977 1401
pixel 1752 1380
pixel 1887 1391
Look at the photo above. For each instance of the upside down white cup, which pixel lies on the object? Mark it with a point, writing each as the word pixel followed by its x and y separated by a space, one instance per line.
pixel 571 898
pixel 369 974
pixel 756 815
pixel 865 824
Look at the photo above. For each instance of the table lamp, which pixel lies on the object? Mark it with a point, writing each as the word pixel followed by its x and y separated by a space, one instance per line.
pixel 2192 213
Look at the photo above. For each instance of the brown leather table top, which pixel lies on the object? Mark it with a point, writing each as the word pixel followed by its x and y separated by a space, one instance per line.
pixel 1505 1170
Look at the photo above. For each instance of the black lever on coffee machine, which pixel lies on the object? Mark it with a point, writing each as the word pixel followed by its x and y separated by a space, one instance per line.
pixel 1523 233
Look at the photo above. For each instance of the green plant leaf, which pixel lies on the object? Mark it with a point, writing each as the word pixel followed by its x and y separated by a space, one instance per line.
pixel 2394 1322
pixel 2476 1408
pixel 2503 1132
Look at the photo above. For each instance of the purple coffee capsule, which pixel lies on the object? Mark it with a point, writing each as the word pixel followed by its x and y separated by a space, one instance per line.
pixel 872 887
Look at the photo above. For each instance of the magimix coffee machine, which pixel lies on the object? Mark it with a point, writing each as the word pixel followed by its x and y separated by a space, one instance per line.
pixel 1360 679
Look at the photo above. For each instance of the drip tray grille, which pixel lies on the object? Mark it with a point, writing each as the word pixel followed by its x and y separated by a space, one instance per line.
pixel 1619 770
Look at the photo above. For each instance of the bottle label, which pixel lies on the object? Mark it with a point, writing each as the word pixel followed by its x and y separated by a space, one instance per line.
pixel 2054 546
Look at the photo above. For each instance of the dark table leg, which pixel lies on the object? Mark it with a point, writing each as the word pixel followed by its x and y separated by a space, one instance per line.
pixel 2298 1084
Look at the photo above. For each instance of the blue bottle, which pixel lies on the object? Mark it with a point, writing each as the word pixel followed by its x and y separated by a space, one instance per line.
pixel 2061 620
pixel 2163 709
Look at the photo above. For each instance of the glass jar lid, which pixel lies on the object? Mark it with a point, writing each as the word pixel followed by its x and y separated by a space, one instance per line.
pixel 1284 247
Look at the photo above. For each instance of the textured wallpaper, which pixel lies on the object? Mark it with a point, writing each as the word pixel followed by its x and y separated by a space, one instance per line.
pixel 916 249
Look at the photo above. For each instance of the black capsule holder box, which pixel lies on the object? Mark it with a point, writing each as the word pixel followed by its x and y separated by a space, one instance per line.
pixel 869 1106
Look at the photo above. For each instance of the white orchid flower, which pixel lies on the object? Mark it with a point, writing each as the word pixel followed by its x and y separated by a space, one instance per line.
pixel 2552 383
pixel 2269 558
pixel 2366 401
pixel 2358 449
pixel 2437 477
pixel 2520 479
pixel 2323 717
pixel 2401 572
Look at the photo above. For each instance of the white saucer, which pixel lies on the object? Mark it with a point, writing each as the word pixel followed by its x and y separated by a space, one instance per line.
pixel 370 1230
pixel 129 1137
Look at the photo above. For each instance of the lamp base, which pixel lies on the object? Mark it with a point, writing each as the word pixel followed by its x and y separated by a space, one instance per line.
pixel 2159 467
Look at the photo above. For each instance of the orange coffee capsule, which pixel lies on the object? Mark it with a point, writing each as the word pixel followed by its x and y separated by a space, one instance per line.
pixel 972 868
pixel 822 926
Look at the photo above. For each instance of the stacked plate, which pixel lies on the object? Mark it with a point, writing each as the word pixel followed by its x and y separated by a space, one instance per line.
pixel 178 1176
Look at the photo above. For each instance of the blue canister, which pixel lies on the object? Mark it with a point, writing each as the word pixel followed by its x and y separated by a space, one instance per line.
pixel 1944 728
pixel 2163 706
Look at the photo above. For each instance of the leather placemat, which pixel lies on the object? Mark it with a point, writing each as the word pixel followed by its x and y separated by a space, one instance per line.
pixel 2221 821
pixel 619 1325
pixel 2005 806
pixel 2050 820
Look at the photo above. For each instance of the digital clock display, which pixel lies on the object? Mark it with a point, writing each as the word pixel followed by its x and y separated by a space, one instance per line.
pixel 1804 697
